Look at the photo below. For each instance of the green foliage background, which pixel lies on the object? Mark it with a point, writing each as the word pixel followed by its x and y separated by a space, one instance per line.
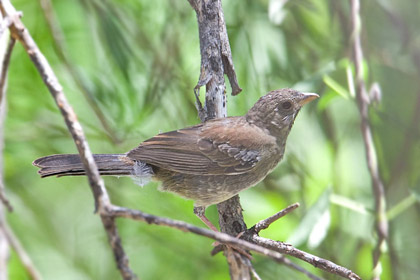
pixel 139 61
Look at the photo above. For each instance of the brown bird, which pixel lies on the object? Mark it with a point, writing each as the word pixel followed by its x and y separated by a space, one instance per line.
pixel 209 162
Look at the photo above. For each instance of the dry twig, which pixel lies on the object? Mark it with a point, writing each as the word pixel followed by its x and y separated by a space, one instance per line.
pixel 14 242
pixel 371 156
pixel 20 33
pixel 3 82
pixel 264 224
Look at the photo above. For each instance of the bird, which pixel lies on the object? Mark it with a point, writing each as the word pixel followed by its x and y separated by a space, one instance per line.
pixel 209 162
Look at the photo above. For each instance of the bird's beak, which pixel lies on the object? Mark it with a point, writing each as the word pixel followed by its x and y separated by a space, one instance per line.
pixel 307 97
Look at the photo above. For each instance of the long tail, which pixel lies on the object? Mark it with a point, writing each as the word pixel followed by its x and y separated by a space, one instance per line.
pixel 71 165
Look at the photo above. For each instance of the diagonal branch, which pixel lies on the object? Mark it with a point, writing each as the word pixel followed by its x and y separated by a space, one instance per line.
pixel 264 224
pixel 251 241
pixel 19 250
pixel 20 33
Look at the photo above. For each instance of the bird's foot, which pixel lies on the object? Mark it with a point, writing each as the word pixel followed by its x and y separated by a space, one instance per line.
pixel 200 213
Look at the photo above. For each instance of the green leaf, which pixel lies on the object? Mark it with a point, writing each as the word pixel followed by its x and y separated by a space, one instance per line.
pixel 349 204
pixel 401 206
pixel 340 90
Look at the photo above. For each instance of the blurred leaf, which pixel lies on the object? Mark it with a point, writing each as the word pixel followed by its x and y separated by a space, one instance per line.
pixel 349 204
pixel 402 206
pixel 340 90
pixel 314 224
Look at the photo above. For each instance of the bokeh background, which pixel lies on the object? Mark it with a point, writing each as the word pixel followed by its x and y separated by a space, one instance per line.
pixel 129 68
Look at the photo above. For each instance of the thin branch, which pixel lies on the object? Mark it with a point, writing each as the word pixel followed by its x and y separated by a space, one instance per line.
pixel 317 262
pixel 20 251
pixel 264 224
pixel 263 246
pixel 20 33
pixel 371 156
pixel 5 68
pixel 4 24
pixel 3 198
pixel 261 225
pixel 115 241
pixel 3 85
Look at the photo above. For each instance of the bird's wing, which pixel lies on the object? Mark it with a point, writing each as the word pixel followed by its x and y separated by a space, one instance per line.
pixel 216 147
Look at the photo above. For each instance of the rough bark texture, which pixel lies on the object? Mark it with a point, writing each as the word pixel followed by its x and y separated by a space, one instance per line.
pixel 216 61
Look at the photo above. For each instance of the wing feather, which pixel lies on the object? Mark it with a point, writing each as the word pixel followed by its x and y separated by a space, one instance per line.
pixel 211 148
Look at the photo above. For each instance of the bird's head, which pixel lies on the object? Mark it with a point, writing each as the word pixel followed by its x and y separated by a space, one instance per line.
pixel 277 110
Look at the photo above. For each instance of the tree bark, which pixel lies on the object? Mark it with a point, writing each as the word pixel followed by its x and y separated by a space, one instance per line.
pixel 216 61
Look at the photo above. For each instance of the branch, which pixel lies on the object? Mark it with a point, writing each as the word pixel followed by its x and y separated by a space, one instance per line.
pixel 20 33
pixel 216 57
pixel 371 157
pixel 264 224
pixel 263 246
pixel 317 262
pixel 23 256
pixel 7 236
pixel 3 86
pixel 216 60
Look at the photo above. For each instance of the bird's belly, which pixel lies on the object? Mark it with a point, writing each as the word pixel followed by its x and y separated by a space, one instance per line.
pixel 211 189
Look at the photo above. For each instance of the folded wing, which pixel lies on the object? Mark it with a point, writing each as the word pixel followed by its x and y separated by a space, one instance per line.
pixel 213 148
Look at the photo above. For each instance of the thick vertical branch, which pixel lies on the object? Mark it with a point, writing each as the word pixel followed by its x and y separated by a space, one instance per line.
pixel 216 61
pixel 216 57
pixel 371 157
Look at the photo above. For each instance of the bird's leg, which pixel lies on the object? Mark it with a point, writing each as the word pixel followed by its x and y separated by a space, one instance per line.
pixel 200 212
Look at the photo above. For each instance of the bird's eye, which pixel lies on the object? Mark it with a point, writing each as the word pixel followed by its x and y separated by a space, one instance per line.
pixel 286 105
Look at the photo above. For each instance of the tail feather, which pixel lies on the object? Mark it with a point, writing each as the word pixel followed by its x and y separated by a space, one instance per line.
pixel 71 165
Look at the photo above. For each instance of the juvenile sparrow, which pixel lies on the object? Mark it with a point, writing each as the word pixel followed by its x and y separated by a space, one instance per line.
pixel 209 162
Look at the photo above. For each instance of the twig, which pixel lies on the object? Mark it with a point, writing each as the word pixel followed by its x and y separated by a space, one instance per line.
pixel 4 243
pixel 264 224
pixel 4 24
pixel 61 50
pixel 3 198
pixel 20 33
pixel 5 68
pixel 371 157
pixel 20 251
pixel 318 262
pixel 216 56
pixel 3 83
pixel 263 246
pixel 115 241
pixel 261 225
